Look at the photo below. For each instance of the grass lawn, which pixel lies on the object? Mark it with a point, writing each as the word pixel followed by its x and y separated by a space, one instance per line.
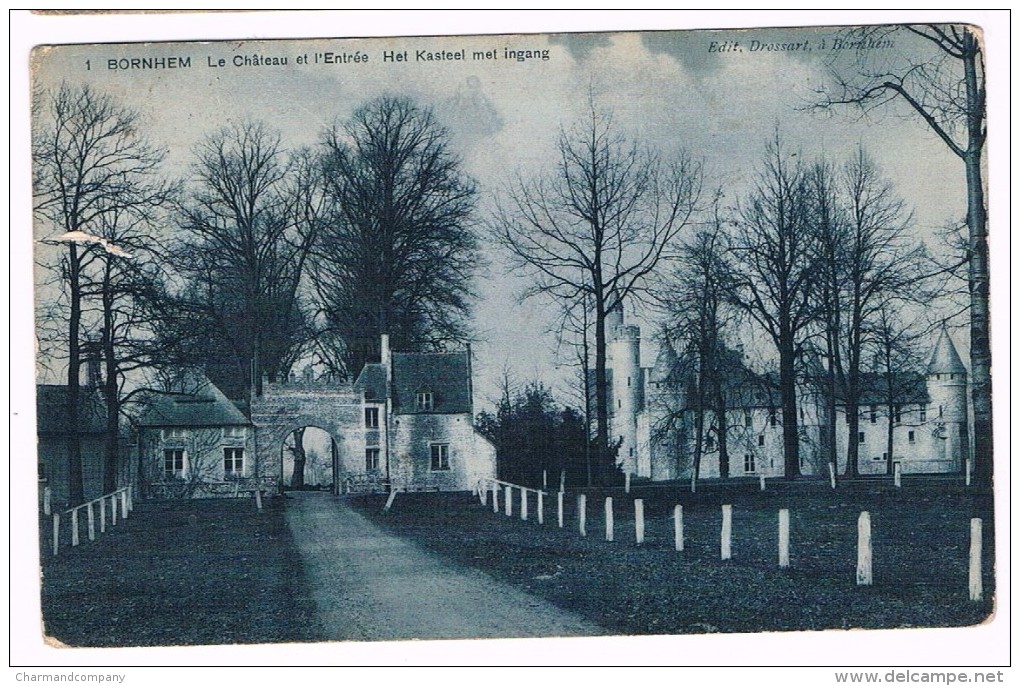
pixel 184 573
pixel 920 542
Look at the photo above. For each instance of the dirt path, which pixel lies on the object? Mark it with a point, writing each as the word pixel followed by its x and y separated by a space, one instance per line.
pixel 370 585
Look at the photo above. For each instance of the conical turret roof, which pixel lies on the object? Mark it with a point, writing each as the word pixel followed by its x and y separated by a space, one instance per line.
pixel 665 362
pixel 945 359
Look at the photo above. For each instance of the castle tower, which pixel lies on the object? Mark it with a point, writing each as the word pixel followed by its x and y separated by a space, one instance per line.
pixel 947 389
pixel 628 386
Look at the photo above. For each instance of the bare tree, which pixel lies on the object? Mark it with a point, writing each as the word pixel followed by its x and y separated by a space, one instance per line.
pixel 94 185
pixel 249 223
pixel 864 260
pixel 398 253
pixel 597 227
pixel 772 265
pixel 945 89
pixel 696 300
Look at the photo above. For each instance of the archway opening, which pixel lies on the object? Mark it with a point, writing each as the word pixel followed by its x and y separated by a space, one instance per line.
pixel 309 458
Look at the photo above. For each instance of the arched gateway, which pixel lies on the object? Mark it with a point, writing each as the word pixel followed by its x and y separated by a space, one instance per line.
pixel 407 421
pixel 284 407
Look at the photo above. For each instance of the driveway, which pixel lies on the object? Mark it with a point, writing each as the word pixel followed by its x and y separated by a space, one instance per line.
pixel 369 585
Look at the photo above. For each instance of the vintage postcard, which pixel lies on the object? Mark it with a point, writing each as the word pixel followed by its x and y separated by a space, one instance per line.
pixel 637 333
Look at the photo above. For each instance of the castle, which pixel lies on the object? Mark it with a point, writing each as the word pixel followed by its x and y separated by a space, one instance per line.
pixel 652 416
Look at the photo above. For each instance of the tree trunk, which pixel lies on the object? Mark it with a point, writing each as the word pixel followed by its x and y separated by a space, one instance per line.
pixel 980 326
pixel 298 478
pixel 111 395
pixel 720 414
pixel 602 456
pixel 788 395
pixel 75 486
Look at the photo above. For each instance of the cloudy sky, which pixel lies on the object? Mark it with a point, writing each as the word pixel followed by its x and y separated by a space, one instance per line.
pixel 666 89
pixel 670 90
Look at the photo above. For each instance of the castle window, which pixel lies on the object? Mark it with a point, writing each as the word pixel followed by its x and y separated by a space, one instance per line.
pixel 761 440
pixel 897 413
pixel 173 464
pixel 371 417
pixel 233 462
pixel 873 414
pixel 748 463
pixel 371 459
pixel 440 457
pixel 923 412
pixel 910 437
pixel 175 434
pixel 860 437
pixel 424 400
pixel 709 442
pixel 747 418
pixel 772 417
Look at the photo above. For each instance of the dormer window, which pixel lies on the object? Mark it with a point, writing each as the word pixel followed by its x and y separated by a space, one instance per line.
pixel 175 434
pixel 424 400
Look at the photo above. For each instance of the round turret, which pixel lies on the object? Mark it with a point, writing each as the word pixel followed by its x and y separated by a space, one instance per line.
pixel 947 391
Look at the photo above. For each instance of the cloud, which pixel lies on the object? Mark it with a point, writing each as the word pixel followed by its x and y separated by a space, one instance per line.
pixel 581 45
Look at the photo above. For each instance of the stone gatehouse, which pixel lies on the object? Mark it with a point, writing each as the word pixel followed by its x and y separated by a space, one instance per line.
pixel 407 420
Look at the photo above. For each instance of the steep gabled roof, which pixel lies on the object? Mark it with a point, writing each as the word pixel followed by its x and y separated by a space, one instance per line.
pixel 52 410
pixel 204 406
pixel 445 375
pixel 372 381
pixel 945 359
pixel 907 387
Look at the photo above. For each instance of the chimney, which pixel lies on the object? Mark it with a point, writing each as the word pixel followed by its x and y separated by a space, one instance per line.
pixel 92 353
pixel 384 349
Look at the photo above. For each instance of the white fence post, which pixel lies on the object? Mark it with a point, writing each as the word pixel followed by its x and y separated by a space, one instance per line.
pixel 74 527
pixel 47 500
pixel 563 480
pixel 725 552
pixel 545 479
pixel 582 506
pixel 56 532
pixel 832 475
pixel 626 482
pixel 495 497
pixel 678 528
pixel 92 522
pixel 113 510
pixel 559 509
pixel 124 503
pixel 258 499
pixel 784 538
pixel 976 588
pixel 897 473
pixel 694 485
pixel 761 482
pixel 864 549
pixel 390 499
pixel 524 504
pixel 131 497
pixel 966 473
pixel 540 507
pixel 509 498
pixel 639 521
pixel 609 519
pixel 102 515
